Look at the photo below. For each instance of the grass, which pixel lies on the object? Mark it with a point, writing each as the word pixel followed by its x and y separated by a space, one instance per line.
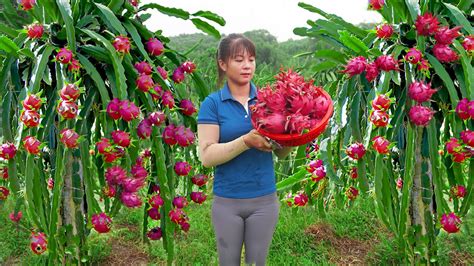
pixel 344 236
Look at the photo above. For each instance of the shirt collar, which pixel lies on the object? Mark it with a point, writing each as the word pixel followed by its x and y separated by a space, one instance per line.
pixel 226 95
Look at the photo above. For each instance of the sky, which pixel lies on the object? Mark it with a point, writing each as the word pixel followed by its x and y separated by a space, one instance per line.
pixel 279 17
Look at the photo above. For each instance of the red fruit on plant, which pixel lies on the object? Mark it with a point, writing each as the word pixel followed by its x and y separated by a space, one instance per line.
pixel 35 31
pixel 154 46
pixel 68 110
pixel 157 118
pixel 445 35
pixel 468 43
pixel 50 183
pixel 144 82
pixel 38 243
pixel 313 164
pixel 155 188
pixel 184 226
pixel 138 171
pixel 444 54
pixel 154 213
pixel 131 185
pixel 70 92
pixel 199 180
pixel 424 65
pixel 130 200
pixel 169 135
pixel 467 137
pixel 15 217
pixel 376 4
pixel 318 174
pixel 101 222
pixel 379 118
pixel 180 202
pixel 184 136
pixel 300 200
pixel 420 91
pixel 182 168
pixel 426 24
pixel 64 56
pixel 167 99
pixel 371 72
pixel 144 129
pixel 154 233
pixel 30 118
pixel 162 72
pixel 27 4
pixel 120 138
pixel 143 68
pixel 4 192
pixel 113 108
pixel 121 44
pixel 356 151
pixel 178 75
pixel 458 191
pixel 355 66
pixel 381 102
pixel 420 115
pixel 115 175
pixel 32 102
pixel 134 3
pixel 156 93
pixel 188 67
pixel 7 151
pixel 453 146
pixel 156 201
pixel 32 145
pixel 69 138
pixel 129 111
pixel 384 31
pixel 386 63
pixel 4 173
pixel 354 173
pixel 352 193
pixel 462 109
pixel 109 191
pixel 187 107
pixel 74 66
pixel 381 144
pixel 414 56
pixel 450 222
pixel 399 183
pixel 177 215
pixel 459 157
pixel 104 146
pixel 198 197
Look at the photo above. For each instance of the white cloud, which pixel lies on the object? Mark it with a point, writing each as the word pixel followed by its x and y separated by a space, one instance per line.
pixel 279 17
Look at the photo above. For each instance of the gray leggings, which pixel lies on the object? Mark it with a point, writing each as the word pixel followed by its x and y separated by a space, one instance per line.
pixel 244 221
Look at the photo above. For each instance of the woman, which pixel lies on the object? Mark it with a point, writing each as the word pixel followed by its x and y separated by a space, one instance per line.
pixel 245 206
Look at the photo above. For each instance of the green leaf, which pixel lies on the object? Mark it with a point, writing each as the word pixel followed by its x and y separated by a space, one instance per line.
pixel 443 74
pixel 324 66
pixel 460 19
pixel 331 55
pixel 95 76
pixel 111 18
pixel 293 179
pixel 8 31
pixel 170 11
pixel 353 43
pixel 468 71
pixel 206 27
pixel 211 16
pixel 115 5
pixel 413 8
pixel 40 68
pixel 66 13
pixel 9 46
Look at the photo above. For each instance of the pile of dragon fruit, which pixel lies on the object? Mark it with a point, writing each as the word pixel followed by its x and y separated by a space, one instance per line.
pixel 290 105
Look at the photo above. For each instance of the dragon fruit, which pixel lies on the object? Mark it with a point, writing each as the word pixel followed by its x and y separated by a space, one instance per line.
pixel 121 44
pixel 74 66
pixel 413 56
pixel 187 107
pixel 184 136
pixel 445 35
pixel 121 138
pixel 129 111
pixel 424 65
pixel 420 91
pixel 156 93
pixel 453 146
pixel 162 72
pixel 30 118
pixel 420 115
pixel 467 137
pixel 131 185
pixel 450 222
pixel 144 129
pixel 15 217
pixel 300 200
pixel 313 164
pixel 138 171
pixel 356 151
pixel 381 144
pixel 70 92
pixel 379 118
pixel 115 175
pixel 35 31
pixel 318 174
pixel 384 31
pixel 381 102
pixel 167 99
pixel 182 168
pixel 427 24
pixel 7 151
pixel 67 110
pixel 143 68
pixel 113 108
pixel 459 157
pixel 4 192
pixel 468 43
pixel 376 4
pixel 177 215
pixel 32 102
pixel 178 75
pixel 50 183
pixel 399 183
pixel 154 233
pixel 157 118
pixel 154 213
pixel 154 47
pixel 352 193
pixel 180 202
pixel 462 109
pixel 38 243
pixel 69 138
pixel 156 201
pixel 458 191
pixel 32 145
pixel 4 173
pixel 198 197
pixel 145 82
pixel 188 67
pixel 355 66
pixel 371 71
pixel 169 134
pixel 27 4
pixel 273 123
pixel 386 63
pixel 64 56
pixel 104 146
pixel 199 180
pixel 444 53
pixel 130 200
pixel 109 191
pixel 354 174
pixel 134 3
pixel 184 225
pixel 101 222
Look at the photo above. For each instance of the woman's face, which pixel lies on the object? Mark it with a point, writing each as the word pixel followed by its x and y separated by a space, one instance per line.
pixel 239 69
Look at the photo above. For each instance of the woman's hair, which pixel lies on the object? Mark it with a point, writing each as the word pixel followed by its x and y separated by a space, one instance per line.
pixel 229 47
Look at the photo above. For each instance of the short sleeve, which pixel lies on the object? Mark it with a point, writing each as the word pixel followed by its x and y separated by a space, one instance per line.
pixel 208 112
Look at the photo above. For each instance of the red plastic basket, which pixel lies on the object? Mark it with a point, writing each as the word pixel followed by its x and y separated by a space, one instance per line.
pixel 300 139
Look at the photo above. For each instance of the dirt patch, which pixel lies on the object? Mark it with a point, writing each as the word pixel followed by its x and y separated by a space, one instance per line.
pixel 460 258
pixel 347 251
pixel 125 253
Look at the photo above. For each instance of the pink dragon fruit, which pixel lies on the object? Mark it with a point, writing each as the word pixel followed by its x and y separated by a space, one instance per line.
pixel 444 54
pixel 274 123
pixel 156 201
pixel 74 66
pixel 386 63
pixel 198 197
pixel 297 123
pixel 420 91
pixel 167 99
pixel 468 43
pixel 115 175
pixel 318 174
pixel 67 110
pixel 424 65
pixel 109 191
pixel 458 191
pixel 121 44
pixel 420 115
pixel 130 200
pixel 199 180
pixel 155 47
pixel 376 4
pixel 177 215
pixel 180 202
pixel 154 233
pixel 64 56
pixel 352 193
pixel 381 144
pixel 459 157
pixel 121 138
pixel 15 217
pixel 300 200
pixel 313 164
pixel 38 243
pixel 69 138
pixel 70 92
pixel 462 109
pixel 157 118
pixel 450 223
pixel 113 108
pixel 32 102
pixel 134 3
pixel 453 146
pixel 154 213
pixel 184 136
pixel 131 185
pixel 381 102
pixel 129 111
pixel 27 4
pixel 30 118
pixel 138 171
pixel 356 151
pixel 371 71
pixel 145 82
pixel 162 72
pixel 35 31
pixel 7 151
pixel 104 146
pixel 384 31
pixel 355 66
pixel 156 93
pixel 144 129
pixel 4 192
pixel 143 68
pixel 399 183
pixel 50 183
pixel 445 35
pixel 187 107
pixel 467 137
pixel 169 135
pixel 413 56
pixel 101 222
pixel 188 67
pixel 32 145
pixel 353 173
pixel 184 225
pixel 182 168
pixel 4 173
pixel 379 118
pixel 178 75
pixel 426 24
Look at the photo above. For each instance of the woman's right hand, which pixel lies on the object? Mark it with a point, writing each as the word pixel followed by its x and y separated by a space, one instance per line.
pixel 253 139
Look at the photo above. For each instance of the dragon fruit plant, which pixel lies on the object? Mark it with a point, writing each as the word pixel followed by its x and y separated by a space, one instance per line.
pixel 91 119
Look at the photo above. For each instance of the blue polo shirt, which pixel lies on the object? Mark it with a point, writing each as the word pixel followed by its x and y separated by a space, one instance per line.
pixel 251 173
